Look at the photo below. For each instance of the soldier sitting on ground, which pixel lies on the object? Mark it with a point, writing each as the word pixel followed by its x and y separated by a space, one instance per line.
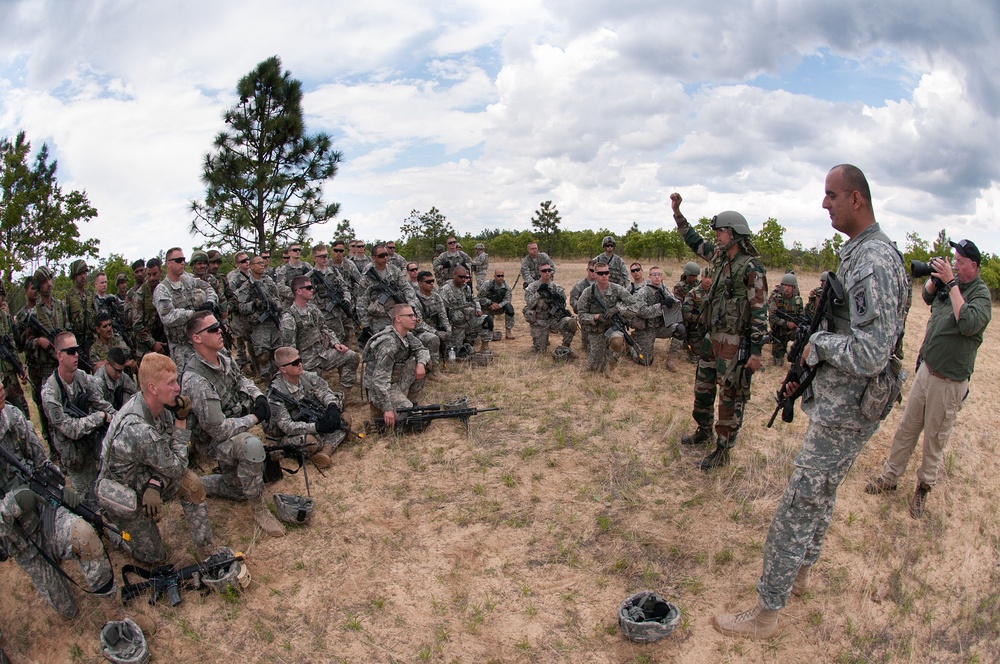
pixel 395 366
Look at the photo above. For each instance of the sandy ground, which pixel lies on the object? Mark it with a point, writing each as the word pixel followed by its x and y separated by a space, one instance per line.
pixel 517 540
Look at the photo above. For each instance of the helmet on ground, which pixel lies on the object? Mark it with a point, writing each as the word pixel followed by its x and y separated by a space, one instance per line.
pixel 497 335
pixel 691 269
pixel 646 617
pixel 562 353
pixel 483 358
pixel 789 280
pixel 123 642
pixel 733 220
pixel 464 352
pixel 293 509
pixel 220 578
pixel 461 402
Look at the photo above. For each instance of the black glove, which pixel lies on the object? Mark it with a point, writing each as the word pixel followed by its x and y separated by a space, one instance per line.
pixel 206 306
pixel 680 331
pixel 543 288
pixel 330 421
pixel 262 409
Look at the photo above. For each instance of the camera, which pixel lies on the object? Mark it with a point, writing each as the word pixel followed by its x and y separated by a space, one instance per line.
pixel 920 269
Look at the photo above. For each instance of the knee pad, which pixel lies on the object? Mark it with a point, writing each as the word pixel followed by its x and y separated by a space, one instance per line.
pixel 191 489
pixel 617 344
pixel 488 323
pixel 253 450
pixel 84 541
pixel 573 325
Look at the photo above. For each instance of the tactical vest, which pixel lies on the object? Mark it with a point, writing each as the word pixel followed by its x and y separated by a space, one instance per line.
pixel 308 327
pixel 226 383
pixel 842 311
pixel 727 308
pixel 190 295
pixel 150 317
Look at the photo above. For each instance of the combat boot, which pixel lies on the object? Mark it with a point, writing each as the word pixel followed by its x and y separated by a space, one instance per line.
pixel 669 364
pixel 699 437
pixel 509 336
pixel 484 345
pixel 717 459
pixel 801 584
pixel 757 623
pixel 877 486
pixel 919 498
pixel 267 521
pixel 322 459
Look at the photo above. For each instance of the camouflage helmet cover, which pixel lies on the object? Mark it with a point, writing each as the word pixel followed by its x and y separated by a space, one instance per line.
pixel 41 275
pixel 123 642
pixel 480 245
pixel 199 256
pixel 76 267
pixel 646 617
pixel 293 509
pixel 608 239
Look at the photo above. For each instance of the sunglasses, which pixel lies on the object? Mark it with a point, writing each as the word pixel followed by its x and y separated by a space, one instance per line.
pixel 609 245
pixel 243 260
pixel 636 269
pixel 545 270
pixel 412 269
pixel 319 255
pixel 427 281
pixel 294 363
pixel 453 243
pixel 602 274
pixel 391 248
pixel 498 275
pixel 382 255
pixel 463 276
pixel 70 350
pixel 180 260
pixel 338 251
pixel 295 250
pixel 211 329
pixel 309 287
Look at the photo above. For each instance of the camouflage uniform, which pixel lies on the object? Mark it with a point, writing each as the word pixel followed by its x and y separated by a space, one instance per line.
pixel 222 401
pixel 293 432
pixel 733 312
pixel 491 293
pixel 99 348
pixel 147 328
pixel 78 439
pixel 139 447
pixel 374 305
pixel 434 328
pixel 814 296
pixel 601 354
pixel 480 268
pixel 464 313
pixel 283 276
pixel 445 264
pixel 574 299
pixel 398 261
pixel 265 336
pixel 71 539
pixel 82 314
pixel 858 348
pixel 390 365
pixel 529 268
pixel 306 330
pixel 655 308
pixel 360 262
pixel 682 288
pixel 11 381
pixel 176 302
pixel 325 281
pixel 115 392
pixel 780 333
pixel 349 274
pixel 619 271
pixel 538 313
pixel 694 301
pixel 52 318
pixel 240 325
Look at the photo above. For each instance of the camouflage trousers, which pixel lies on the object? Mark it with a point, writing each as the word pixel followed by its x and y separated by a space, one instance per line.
pixel 718 355
pixel 264 339
pixel 15 393
pixel 644 341
pixel 466 332
pixel 84 479
pixel 779 342
pixel 693 336
pixel 404 388
pixel 323 360
pixel 601 355
pixel 802 518
pixel 507 312
pixel 432 342
pixel 242 348
pixel 540 332
pixel 239 478
pixel 37 376
pixel 73 539
pixel 146 544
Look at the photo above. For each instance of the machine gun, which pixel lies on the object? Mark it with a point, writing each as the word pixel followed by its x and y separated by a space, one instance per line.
pixel 802 376
pixel 167 579
pixel 418 418
pixel 617 324
pixel 47 483
pixel 41 330
pixel 269 311
pixel 9 354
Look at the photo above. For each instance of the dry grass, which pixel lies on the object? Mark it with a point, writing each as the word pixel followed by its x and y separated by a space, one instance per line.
pixel 518 541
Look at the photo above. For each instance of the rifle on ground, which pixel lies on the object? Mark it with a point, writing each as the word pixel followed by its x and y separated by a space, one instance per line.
pixel 36 325
pixel 802 376
pixel 617 324
pixel 47 483
pixel 166 579
pixel 418 418
pixel 270 312
pixel 9 353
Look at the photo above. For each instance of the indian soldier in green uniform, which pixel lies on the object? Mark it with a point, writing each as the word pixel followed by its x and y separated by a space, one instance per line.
pixel 80 307
pixel 147 328
pixel 10 374
pixel 691 309
pixel 814 295
pixel 735 318
pixel 783 330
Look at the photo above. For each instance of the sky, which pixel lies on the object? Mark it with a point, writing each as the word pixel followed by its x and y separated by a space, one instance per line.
pixel 484 109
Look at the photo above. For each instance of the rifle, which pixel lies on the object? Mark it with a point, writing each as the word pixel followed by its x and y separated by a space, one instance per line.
pixel 9 353
pixel 617 324
pixel 270 312
pixel 36 325
pixel 306 409
pixel 833 294
pixel 166 579
pixel 418 418
pixel 556 308
pixel 47 483
pixel 117 324
pixel 386 289
pixel 334 298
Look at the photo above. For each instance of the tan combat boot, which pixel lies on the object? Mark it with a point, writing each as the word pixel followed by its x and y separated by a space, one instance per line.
pixel 670 364
pixel 267 521
pixel 757 623
pixel 801 584
pixel 484 345
pixel 509 336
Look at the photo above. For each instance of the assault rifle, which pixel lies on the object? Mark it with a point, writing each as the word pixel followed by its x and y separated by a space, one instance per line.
pixel 418 418
pixel 166 579
pixel 617 324
pixel 47 483
pixel 334 298
pixel 385 290
pixel 556 308
pixel 41 330
pixel 9 353
pixel 270 312
pixel 306 409
pixel 110 303
pixel 274 471
pixel 802 376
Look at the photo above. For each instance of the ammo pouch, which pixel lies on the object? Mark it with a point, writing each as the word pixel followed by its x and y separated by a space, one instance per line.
pixel 117 498
pixel 883 391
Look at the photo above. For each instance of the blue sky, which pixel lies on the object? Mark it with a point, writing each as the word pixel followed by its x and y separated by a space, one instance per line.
pixel 484 111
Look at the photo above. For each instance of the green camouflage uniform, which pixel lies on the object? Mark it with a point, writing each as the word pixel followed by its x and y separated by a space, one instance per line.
pixel 538 313
pixel 658 312
pixel 390 365
pixel 780 333
pixel 858 348
pixel 306 330
pixel 11 381
pixel 82 312
pixel 72 538
pixel 147 328
pixel 600 355
pixel 694 328
pixel 99 349
pixel 139 447
pixel 176 302
pixel 293 432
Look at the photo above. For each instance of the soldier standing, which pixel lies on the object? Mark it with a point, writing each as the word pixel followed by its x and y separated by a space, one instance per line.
pixel 814 295
pixel 239 323
pixel 80 307
pixel 619 273
pixel 597 306
pixel 227 404
pixel 394 258
pixel 655 308
pixel 495 300
pixel 330 288
pixel 382 287
pixel 467 320
pixel 481 266
pixel 283 276
pixel 358 256
pixel 782 329
pixel 847 358
pixel 545 309
pixel 532 262
pixel 694 328
pixel 346 269
pixel 445 264
pixel 735 316
pixel 258 301
pixel 176 299
pixel 395 366
pixel 10 338
pixel 148 332
pixel 51 313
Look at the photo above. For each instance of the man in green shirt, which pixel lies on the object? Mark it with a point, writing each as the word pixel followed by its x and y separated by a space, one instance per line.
pixel 960 311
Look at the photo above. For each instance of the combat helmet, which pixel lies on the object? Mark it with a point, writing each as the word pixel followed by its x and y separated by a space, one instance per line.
pixel 691 269
pixel 733 220
pixel 123 642
pixel 646 617
pixel 789 280
pixel 76 267
pixel 221 579
pixel 293 509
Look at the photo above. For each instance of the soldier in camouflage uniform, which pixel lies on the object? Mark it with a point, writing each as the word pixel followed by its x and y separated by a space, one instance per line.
pixel 147 328
pixel 200 269
pixel 619 273
pixel 596 306
pixel 304 328
pixel 481 266
pixel 239 323
pixel 815 294
pixel 382 287
pixel 783 331
pixel 10 338
pixel 395 366
pixel 638 279
pixel 178 297
pixel 111 381
pixel 542 301
pixel 80 307
pixel 227 404
pixel 22 514
pixel 31 353
pixel 445 264
pixel 434 328
pixel 689 279
pixel 358 256
pixel 104 340
pixel 468 322
pixel 319 438
pixel 656 307
pixel 66 393
pixel 328 282
pixel 735 316
pixel 532 262
pixel 495 299
pixel 394 258
pixel 258 301
pixel 139 277
pixel 345 269
pixel 51 313
pixel 691 310
pixel 577 291
pixel 848 358
pixel 284 275
pixel 146 453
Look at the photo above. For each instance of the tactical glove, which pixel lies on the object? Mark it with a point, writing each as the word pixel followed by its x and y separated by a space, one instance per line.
pixel 70 497
pixel 262 409
pixel 181 407
pixel 330 421
pixel 205 306
pixel 25 499
pixel 151 500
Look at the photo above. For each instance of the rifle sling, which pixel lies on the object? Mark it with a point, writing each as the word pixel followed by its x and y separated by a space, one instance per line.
pixel 103 590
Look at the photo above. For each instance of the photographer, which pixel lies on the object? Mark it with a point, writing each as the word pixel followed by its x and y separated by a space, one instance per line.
pixel 960 311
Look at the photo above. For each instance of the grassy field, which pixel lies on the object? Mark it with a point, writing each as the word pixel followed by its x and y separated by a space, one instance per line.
pixel 516 541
